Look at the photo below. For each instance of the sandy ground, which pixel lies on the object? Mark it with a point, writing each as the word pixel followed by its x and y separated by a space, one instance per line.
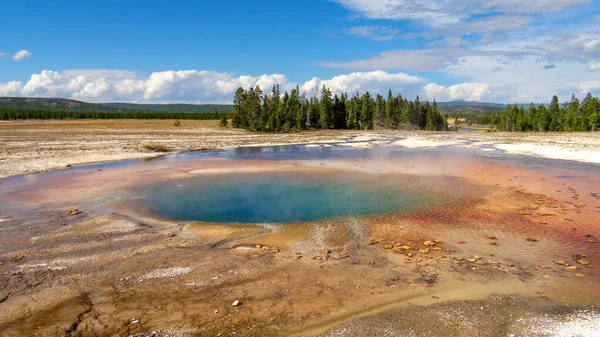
pixel 35 146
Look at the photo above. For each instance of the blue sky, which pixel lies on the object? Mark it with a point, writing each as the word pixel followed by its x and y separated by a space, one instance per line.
pixel 201 51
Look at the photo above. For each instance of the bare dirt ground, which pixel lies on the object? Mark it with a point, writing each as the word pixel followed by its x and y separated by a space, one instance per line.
pixel 35 146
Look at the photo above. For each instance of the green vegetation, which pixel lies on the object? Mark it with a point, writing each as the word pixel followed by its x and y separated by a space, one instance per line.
pixel 63 104
pixel 13 114
pixel 187 108
pixel 12 108
pixel 571 116
pixel 223 123
pixel 294 111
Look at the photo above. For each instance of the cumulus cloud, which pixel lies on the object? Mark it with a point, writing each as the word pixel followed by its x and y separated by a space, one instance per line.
pixel 376 33
pixel 11 88
pixel 21 54
pixel 375 81
pixel 111 73
pixel 463 91
pixel 185 85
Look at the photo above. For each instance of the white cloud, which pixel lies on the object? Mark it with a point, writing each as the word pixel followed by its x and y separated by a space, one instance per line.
pixel 186 85
pixel 376 33
pixel 588 86
pixel 1 54
pixel 111 73
pixel 500 23
pixel 438 13
pixel 421 59
pixel 21 54
pixel 594 66
pixel 463 91
pixel 374 81
pixel 524 79
pixel 11 88
pixel 581 46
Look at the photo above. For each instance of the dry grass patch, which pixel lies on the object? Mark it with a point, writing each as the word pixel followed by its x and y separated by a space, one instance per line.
pixel 153 147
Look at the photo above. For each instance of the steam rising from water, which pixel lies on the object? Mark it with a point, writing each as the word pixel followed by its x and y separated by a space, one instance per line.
pixel 275 198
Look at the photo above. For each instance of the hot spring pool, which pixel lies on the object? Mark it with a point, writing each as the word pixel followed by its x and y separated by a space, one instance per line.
pixel 261 198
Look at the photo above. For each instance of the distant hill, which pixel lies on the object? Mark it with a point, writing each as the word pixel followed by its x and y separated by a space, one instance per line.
pixel 73 105
pixel 453 107
pixel 461 102
pixel 172 107
pixel 462 106
pixel 51 104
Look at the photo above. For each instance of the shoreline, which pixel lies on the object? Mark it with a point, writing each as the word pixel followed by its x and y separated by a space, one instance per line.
pixel 518 145
pixel 61 150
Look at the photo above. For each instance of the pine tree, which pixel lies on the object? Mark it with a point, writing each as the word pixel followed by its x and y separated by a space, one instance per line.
pixel 554 112
pixel 326 108
pixel 367 111
pixel 238 101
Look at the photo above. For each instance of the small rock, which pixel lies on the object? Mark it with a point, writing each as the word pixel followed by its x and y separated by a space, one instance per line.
pixel 372 241
pixel 429 244
pixel 591 239
pixel 73 211
pixel 236 303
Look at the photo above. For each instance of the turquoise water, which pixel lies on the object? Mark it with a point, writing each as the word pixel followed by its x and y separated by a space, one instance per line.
pixel 260 198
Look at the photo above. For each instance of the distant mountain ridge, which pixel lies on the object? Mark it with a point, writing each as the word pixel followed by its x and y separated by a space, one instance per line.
pixel 74 105
pixel 461 102
pixel 456 106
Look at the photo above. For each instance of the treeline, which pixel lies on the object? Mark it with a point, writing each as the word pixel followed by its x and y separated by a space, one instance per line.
pixel 275 112
pixel 573 115
pixel 14 114
pixel 478 118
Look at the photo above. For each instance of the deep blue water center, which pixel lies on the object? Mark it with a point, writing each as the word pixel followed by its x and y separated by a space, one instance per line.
pixel 262 198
